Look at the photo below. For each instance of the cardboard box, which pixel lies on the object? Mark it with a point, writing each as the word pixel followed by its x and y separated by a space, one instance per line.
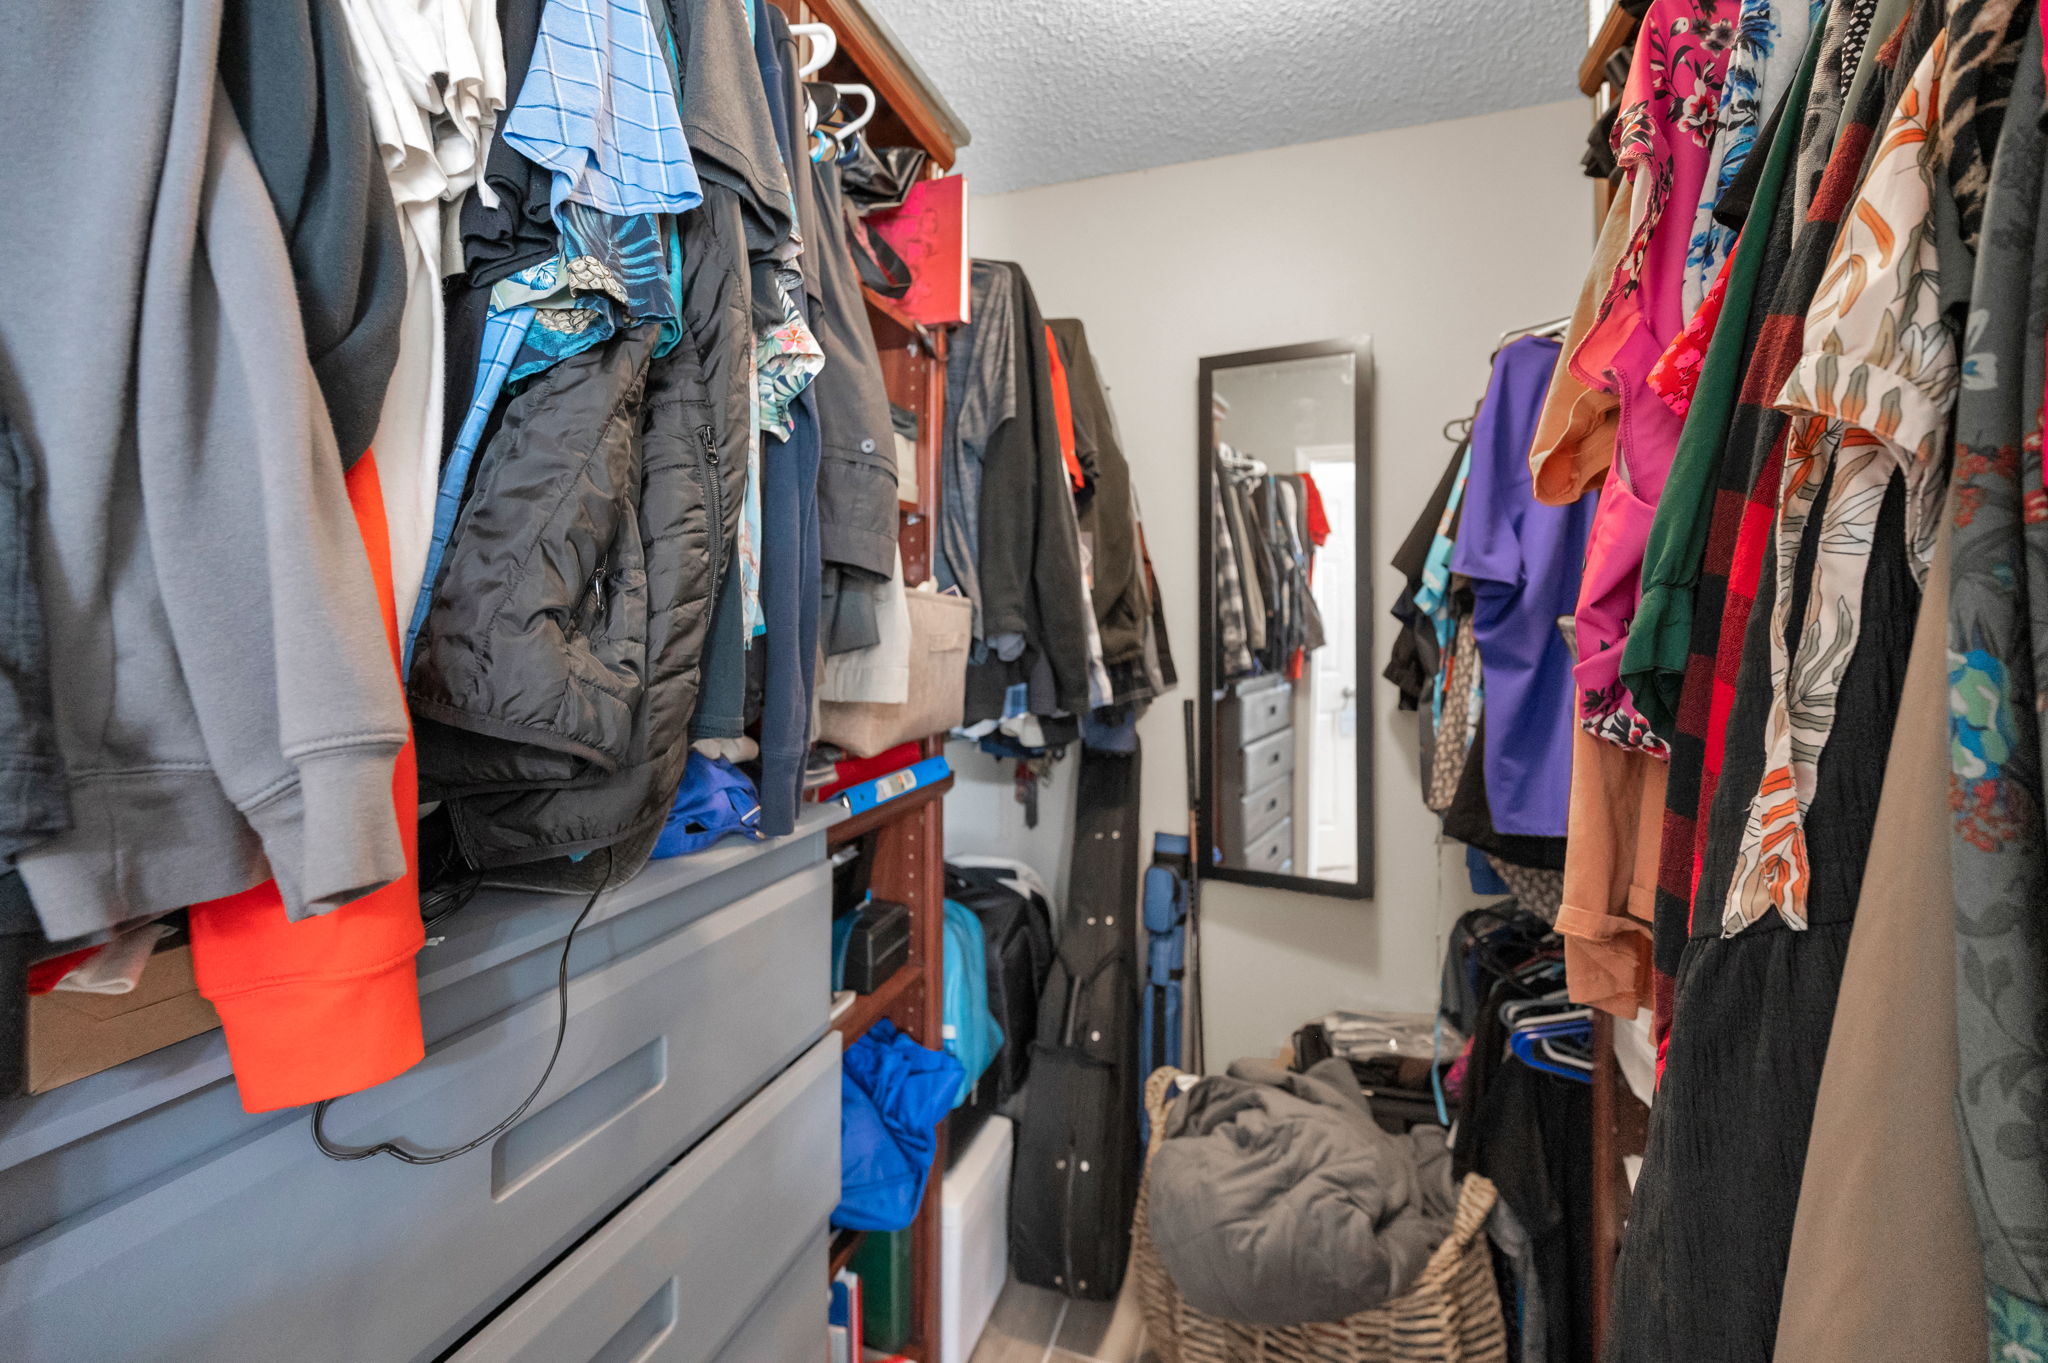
pixel 72 1035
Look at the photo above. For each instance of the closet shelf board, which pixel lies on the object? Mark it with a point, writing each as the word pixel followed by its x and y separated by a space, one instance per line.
pixel 868 819
pixel 869 1009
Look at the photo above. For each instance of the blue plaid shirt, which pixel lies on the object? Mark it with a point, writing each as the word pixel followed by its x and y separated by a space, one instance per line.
pixel 598 109
pixel 504 334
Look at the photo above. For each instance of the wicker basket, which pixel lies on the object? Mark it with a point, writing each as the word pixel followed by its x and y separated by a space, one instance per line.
pixel 1451 1315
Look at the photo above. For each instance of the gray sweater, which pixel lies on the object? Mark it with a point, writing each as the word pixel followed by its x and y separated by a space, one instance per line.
pixel 225 702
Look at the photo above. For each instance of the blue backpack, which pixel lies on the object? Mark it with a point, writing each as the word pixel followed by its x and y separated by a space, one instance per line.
pixel 973 1036
pixel 1166 945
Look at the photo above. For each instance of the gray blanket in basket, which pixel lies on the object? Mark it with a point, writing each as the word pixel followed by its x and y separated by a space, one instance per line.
pixel 1276 1199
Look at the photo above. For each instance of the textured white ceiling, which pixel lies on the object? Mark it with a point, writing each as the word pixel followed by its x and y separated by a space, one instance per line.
pixel 1064 89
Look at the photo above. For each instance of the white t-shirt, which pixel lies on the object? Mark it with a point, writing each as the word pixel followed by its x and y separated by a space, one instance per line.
pixel 434 72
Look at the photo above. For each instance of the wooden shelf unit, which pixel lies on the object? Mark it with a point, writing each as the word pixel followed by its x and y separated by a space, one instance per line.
pixel 909 854
pixel 845 1244
pixel 909 867
pixel 893 327
pixel 909 112
pixel 1617 30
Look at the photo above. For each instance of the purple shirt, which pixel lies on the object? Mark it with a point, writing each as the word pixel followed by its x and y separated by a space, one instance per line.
pixel 1524 560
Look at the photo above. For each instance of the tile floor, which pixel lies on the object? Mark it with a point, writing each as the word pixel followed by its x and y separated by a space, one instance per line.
pixel 1032 1325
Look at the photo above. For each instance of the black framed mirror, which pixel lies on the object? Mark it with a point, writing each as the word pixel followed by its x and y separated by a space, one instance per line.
pixel 1285 471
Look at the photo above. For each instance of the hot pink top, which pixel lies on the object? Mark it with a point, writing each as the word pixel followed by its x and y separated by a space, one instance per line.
pixel 1662 137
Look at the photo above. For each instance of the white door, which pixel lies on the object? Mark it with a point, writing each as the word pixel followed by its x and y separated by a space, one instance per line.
pixel 1334 685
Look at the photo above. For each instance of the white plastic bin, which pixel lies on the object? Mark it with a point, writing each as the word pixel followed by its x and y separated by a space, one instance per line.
pixel 974 1238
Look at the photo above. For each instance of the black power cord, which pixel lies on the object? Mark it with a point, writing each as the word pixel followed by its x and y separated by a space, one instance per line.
pixel 345 1153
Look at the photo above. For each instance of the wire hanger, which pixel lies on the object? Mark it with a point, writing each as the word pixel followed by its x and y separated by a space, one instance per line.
pixel 1458 429
pixel 1556 326
pixel 824 46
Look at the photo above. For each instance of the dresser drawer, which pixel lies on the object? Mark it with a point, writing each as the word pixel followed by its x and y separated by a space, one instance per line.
pixel 258 1239
pixel 677 1275
pixel 1245 821
pixel 1269 759
pixel 788 1324
pixel 1273 850
pixel 1254 709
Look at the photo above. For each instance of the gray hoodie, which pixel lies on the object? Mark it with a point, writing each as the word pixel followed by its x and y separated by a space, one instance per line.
pixel 225 703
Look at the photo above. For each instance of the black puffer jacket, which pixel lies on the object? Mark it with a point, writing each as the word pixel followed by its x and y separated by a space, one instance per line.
pixel 693 479
pixel 554 682
pixel 529 666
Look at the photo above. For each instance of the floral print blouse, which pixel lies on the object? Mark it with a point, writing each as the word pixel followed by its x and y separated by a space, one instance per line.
pixel 1871 397
pixel 1767 39
pixel 1670 112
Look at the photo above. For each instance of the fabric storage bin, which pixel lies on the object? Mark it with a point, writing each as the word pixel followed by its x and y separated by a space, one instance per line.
pixel 1451 1315
pixel 941 627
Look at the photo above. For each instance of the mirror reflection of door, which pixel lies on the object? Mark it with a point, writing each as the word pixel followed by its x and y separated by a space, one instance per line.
pixel 1332 768
pixel 1286 749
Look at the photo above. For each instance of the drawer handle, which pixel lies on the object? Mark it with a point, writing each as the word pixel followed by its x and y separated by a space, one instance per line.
pixel 639 1337
pixel 576 1116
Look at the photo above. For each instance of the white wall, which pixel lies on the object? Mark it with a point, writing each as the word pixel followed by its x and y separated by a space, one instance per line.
pixel 1432 240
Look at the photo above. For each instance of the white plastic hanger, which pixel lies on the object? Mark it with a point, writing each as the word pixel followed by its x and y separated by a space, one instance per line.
pixel 834 139
pixel 824 46
pixel 846 130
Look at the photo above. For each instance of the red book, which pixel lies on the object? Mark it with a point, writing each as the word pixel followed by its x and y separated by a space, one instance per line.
pixel 855 770
pixel 930 232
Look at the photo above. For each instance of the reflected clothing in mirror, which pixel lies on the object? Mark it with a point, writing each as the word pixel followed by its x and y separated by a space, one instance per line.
pixel 1286 770
pixel 1275 522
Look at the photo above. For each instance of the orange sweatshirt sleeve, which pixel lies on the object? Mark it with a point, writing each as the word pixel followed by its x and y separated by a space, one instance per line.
pixel 327 1005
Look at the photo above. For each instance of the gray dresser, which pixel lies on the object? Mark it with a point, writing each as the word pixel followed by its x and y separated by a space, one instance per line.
pixel 665 1201
pixel 1255 774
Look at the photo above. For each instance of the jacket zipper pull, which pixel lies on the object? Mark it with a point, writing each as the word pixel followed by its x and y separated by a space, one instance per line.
pixel 705 434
